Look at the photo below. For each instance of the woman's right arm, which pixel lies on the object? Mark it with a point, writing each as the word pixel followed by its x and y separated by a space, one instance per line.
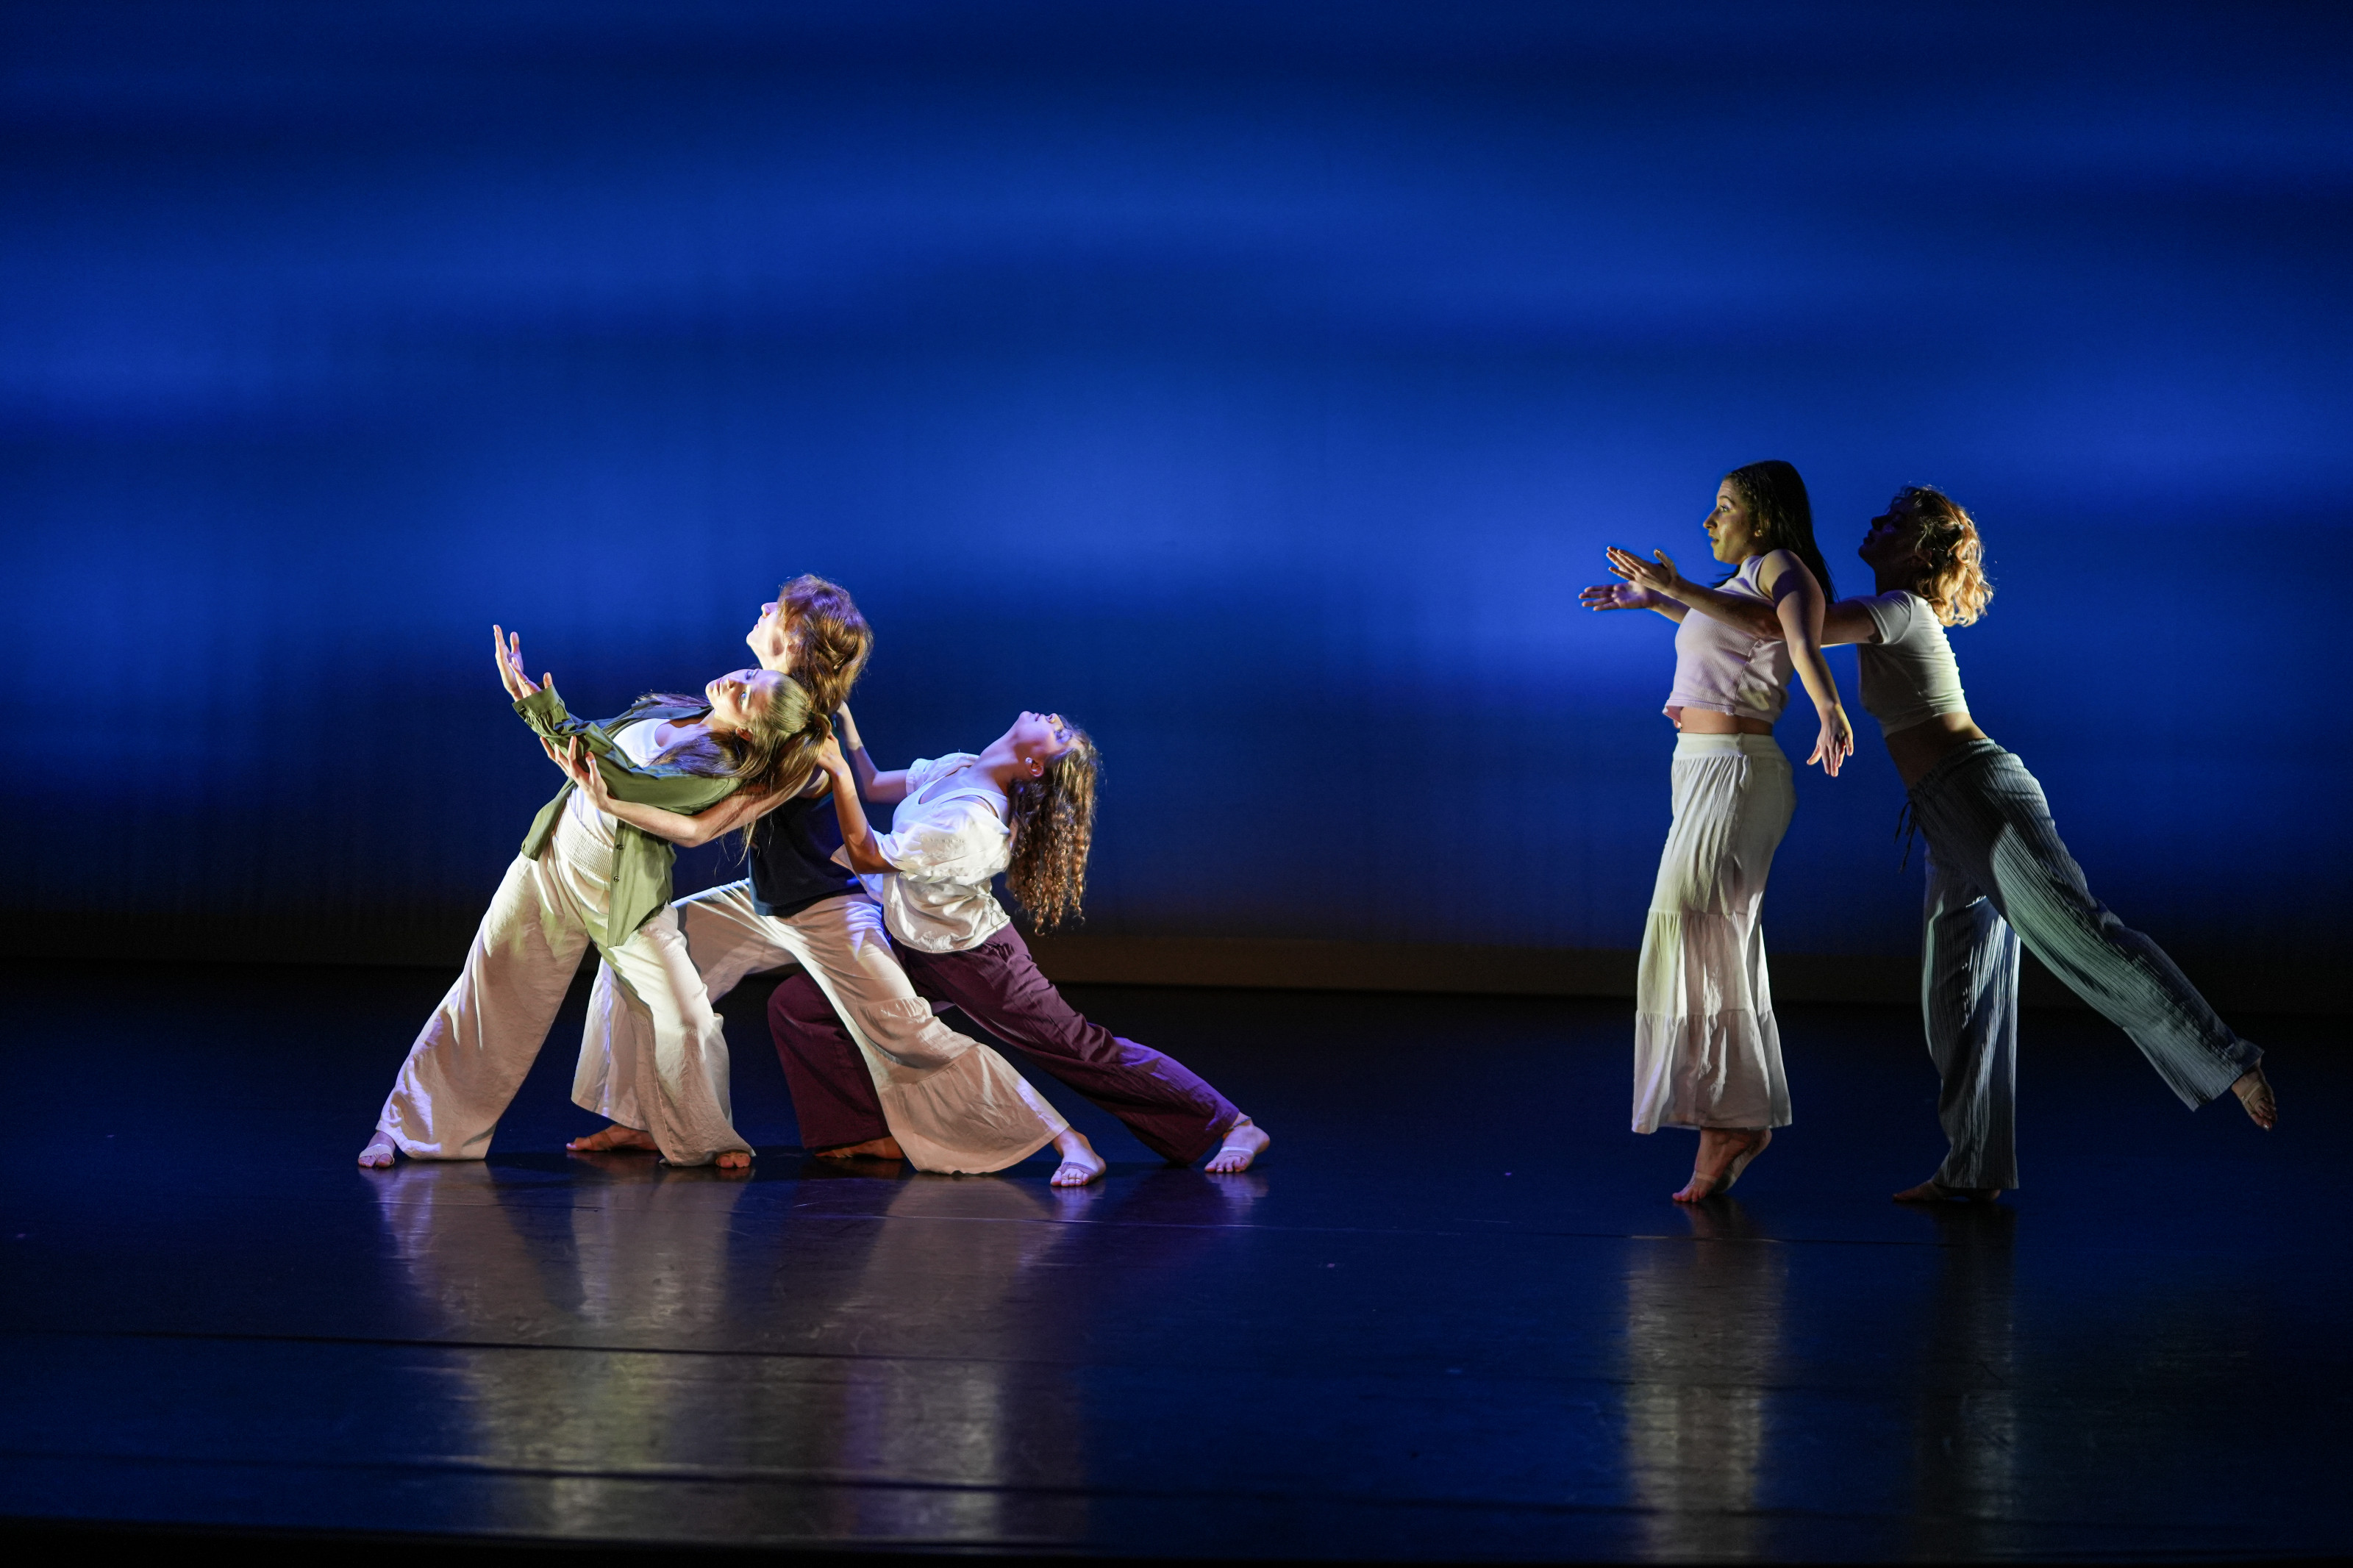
pixel 1844 621
pixel 857 839
pixel 1659 579
pixel 882 788
pixel 1624 596
pixel 687 831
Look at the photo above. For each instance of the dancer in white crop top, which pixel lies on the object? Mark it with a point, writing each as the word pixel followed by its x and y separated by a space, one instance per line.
pixel 1998 874
pixel 1707 1054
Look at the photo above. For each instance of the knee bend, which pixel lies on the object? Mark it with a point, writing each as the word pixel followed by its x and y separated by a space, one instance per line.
pixel 799 1003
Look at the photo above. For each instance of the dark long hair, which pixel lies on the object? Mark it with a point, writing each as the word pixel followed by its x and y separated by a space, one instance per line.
pixel 1777 501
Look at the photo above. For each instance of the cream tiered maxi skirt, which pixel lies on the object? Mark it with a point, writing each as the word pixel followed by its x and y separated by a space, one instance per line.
pixel 1707 1053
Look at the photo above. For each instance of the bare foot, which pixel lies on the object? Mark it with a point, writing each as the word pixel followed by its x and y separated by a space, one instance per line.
pixel 2254 1092
pixel 883 1148
pixel 1740 1160
pixel 1932 1191
pixel 1081 1164
pixel 735 1160
pixel 1245 1141
pixel 381 1150
pixel 615 1136
pixel 1724 1153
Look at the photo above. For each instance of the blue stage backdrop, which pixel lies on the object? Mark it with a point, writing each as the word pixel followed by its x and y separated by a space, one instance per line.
pixel 1255 382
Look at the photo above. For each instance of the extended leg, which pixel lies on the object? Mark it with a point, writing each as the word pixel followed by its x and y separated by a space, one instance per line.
pixel 1170 1107
pixel 472 1054
pixel 2041 890
pixel 954 1104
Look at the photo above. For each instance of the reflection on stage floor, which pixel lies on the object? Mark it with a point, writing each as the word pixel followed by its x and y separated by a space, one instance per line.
pixel 1451 1315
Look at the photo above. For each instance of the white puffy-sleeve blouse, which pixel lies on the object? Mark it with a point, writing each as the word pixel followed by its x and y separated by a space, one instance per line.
pixel 949 840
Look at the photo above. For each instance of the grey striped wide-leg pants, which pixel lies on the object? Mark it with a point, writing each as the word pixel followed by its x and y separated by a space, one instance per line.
pixel 1997 875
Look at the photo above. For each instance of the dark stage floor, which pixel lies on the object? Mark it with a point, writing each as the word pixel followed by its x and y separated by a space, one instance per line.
pixel 1453 1315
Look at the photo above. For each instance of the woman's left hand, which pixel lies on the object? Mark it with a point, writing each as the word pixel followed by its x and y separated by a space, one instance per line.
pixel 1835 744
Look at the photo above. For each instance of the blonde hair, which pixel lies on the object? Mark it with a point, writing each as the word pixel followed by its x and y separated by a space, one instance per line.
pixel 1053 829
pixel 777 752
pixel 830 641
pixel 1953 580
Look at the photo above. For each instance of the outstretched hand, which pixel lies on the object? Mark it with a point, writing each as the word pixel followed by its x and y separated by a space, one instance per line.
pixel 507 648
pixel 1835 744
pixel 1657 575
pixel 1618 597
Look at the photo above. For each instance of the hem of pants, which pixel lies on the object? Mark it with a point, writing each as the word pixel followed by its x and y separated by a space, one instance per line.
pixel 1980 1181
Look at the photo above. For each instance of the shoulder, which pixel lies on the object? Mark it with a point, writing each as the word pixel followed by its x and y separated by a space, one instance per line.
pixel 1767 573
pixel 1895 614
pixel 923 769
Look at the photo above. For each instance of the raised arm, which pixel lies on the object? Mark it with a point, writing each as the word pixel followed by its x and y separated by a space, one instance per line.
pixel 1798 606
pixel 882 788
pixel 857 839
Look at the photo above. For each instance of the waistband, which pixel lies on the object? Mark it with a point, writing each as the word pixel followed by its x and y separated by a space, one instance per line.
pixel 1726 746
pixel 1968 754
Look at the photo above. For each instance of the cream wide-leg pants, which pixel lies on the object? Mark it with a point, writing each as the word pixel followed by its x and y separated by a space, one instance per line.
pixel 474 1051
pixel 954 1104
pixel 1707 1053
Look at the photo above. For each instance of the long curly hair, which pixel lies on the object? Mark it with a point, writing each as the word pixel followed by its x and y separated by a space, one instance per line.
pixel 1777 501
pixel 1053 829
pixel 1953 581
pixel 829 639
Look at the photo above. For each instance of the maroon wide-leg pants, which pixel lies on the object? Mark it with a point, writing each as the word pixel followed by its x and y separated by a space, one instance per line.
pixel 1171 1110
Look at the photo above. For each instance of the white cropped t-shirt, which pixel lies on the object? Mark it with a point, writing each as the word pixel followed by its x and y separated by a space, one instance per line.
pixel 1909 676
pixel 949 840
pixel 1719 669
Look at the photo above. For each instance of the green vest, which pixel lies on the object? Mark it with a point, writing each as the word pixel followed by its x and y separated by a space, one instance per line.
pixel 641 862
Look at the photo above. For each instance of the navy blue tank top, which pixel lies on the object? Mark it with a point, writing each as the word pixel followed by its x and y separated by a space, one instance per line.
pixel 792 857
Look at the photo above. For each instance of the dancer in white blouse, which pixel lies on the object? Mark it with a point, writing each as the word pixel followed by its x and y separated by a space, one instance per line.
pixel 1023 807
pixel 953 1104
pixel 1707 1053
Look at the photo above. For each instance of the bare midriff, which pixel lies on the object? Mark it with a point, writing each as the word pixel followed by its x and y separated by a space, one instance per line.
pixel 1706 721
pixel 1921 747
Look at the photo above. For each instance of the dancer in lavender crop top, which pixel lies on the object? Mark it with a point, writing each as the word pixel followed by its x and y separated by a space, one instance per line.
pixel 1707 1054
